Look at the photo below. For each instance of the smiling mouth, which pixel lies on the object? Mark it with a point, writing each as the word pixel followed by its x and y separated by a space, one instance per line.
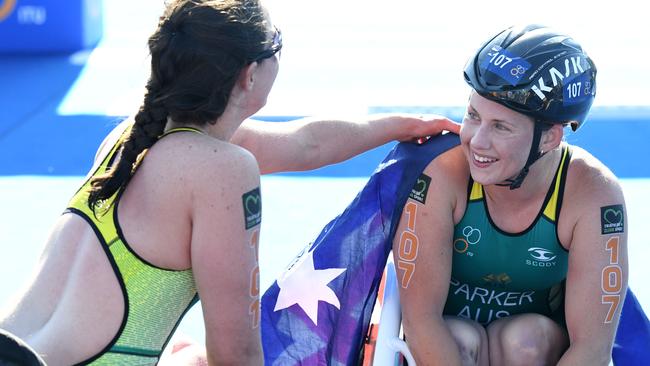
pixel 483 159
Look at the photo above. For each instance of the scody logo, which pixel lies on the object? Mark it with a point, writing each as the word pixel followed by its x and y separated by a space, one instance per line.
pixel 542 257
pixel 557 75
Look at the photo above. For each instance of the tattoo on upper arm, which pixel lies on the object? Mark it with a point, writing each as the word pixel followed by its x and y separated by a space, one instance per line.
pixel 612 279
pixel 612 219
pixel 407 250
pixel 252 202
pixel 408 245
pixel 421 188
pixel 254 290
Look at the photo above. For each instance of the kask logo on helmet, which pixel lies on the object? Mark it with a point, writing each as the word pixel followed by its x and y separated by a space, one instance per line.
pixel 536 71
pixel 6 8
pixel 572 66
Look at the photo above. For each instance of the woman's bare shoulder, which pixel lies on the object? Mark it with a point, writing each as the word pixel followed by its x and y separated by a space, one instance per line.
pixel 588 177
pixel 202 158
pixel 590 185
pixel 449 174
pixel 450 169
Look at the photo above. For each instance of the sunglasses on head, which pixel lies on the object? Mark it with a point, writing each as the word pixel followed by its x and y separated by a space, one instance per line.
pixel 275 47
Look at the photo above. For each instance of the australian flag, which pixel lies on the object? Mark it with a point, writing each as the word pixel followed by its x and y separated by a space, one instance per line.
pixel 318 311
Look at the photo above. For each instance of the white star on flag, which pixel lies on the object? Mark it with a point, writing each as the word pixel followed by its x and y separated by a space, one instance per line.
pixel 304 285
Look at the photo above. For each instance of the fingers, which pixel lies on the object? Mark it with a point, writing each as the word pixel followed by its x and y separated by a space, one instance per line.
pixel 431 125
pixel 434 125
pixel 449 125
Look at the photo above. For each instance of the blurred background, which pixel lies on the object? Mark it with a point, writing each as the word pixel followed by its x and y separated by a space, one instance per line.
pixel 339 57
pixel 70 70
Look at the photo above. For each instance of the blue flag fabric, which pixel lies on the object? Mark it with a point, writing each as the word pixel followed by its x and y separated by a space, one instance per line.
pixel 318 311
pixel 632 343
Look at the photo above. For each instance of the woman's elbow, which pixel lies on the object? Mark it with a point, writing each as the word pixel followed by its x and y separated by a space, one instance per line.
pixel 237 354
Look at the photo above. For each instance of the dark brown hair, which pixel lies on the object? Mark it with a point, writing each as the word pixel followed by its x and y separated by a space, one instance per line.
pixel 197 52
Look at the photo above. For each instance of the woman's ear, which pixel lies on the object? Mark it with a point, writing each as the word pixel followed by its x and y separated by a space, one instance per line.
pixel 247 76
pixel 245 82
pixel 552 137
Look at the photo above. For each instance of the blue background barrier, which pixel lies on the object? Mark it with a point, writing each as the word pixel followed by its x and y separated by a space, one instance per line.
pixel 37 26
pixel 39 141
pixel 40 137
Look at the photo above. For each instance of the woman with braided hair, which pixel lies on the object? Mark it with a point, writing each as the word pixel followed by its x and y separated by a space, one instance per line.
pixel 171 209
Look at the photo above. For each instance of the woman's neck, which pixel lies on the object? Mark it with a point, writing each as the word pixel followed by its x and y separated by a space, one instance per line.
pixel 222 129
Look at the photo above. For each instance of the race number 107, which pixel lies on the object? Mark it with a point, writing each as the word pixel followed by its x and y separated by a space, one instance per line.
pixel 573 89
pixel 612 279
pixel 499 59
pixel 408 246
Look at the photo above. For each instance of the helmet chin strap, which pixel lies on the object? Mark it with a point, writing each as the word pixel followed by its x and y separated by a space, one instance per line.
pixel 533 155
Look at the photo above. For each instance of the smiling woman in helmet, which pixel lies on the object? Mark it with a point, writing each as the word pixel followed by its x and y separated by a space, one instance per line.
pixel 521 256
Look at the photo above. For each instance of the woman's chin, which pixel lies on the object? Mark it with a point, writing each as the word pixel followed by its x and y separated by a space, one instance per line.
pixel 487 180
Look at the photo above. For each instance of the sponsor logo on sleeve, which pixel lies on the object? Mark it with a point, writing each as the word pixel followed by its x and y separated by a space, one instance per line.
pixel 420 189
pixel 252 208
pixel 612 219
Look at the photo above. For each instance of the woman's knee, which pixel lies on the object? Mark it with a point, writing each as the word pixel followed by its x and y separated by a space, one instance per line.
pixel 470 337
pixel 526 339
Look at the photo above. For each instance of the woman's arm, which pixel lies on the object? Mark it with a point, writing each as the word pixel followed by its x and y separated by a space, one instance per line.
pixel 226 218
pixel 598 273
pixel 312 143
pixel 422 250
